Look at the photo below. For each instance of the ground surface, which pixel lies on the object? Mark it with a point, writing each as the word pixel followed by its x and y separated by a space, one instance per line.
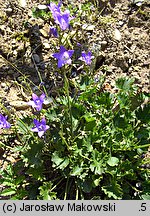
pixel 119 33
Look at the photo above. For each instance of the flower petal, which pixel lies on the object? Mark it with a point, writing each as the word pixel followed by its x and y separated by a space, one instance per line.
pixel 38 107
pixel 31 103
pixel 81 58
pixel 36 122
pixel 7 125
pixel 70 52
pixel 34 129
pixel 40 133
pixel 56 55
pixel 60 63
pixel 34 97
pixel 68 61
pixel 43 121
pixel 47 127
pixel 42 97
pixel 62 49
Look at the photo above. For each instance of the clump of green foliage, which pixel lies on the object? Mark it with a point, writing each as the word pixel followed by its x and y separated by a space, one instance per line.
pixel 93 148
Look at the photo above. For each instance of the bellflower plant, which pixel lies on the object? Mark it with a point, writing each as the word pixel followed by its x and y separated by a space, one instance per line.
pixel 54 8
pixel 63 57
pixel 53 31
pixel 37 102
pixel 62 19
pixel 86 57
pixel 40 127
pixel 3 122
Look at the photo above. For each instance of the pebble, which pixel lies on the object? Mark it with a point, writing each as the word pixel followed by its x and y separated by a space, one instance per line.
pixel 8 10
pixel 117 35
pixel 2 28
pixel 47 102
pixel 88 27
pixel 15 53
pixel 44 33
pixel 36 58
pixel 46 45
pixel 19 105
pixel 42 7
pixel 103 44
pixel 22 3
pixel 13 42
pixel 121 23
pixel 130 69
pixel 109 70
pixel 138 2
pixel 3 85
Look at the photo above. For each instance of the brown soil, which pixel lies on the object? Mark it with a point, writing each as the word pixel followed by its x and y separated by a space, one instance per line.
pixel 120 36
pixel 119 33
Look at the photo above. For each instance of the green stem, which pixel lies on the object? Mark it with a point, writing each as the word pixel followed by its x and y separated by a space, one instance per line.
pixel 65 197
pixel 85 157
pixel 82 196
pixel 40 77
pixel 77 193
pixel 64 140
pixel 142 146
pixel 56 184
pixel 69 102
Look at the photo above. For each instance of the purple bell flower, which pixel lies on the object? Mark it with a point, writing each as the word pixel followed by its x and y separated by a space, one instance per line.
pixel 54 8
pixel 53 31
pixel 40 127
pixel 87 58
pixel 62 19
pixel 63 57
pixel 37 102
pixel 3 122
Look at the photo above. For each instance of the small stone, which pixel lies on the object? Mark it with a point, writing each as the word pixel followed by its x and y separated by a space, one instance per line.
pixel 36 58
pixel 15 53
pixel 103 44
pixel 121 23
pixel 40 22
pixel 30 13
pixel 8 10
pixel 137 2
pixel 11 159
pixel 13 42
pixel 130 69
pixel 46 45
pixel 47 102
pixel 22 3
pixel 19 105
pixel 88 27
pixel 109 70
pixel 44 33
pixel 117 35
pixel 2 28
pixel 3 85
pixel 42 7
pixel 130 61
pixel 84 26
